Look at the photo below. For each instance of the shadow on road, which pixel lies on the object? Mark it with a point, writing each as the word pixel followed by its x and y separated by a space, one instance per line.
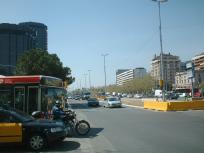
pixel 81 105
pixel 63 146
pixel 92 133
pixel 54 147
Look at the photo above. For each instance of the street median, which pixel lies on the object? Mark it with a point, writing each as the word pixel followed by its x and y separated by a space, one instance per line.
pixel 133 102
pixel 174 106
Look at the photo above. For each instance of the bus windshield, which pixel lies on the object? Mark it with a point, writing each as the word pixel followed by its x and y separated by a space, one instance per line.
pixel 50 95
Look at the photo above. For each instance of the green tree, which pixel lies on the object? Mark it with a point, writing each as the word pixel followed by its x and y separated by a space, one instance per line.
pixel 40 62
pixel 138 85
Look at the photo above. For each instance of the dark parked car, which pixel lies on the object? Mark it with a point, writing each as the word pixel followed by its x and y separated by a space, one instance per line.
pixel 172 95
pixel 93 102
pixel 18 127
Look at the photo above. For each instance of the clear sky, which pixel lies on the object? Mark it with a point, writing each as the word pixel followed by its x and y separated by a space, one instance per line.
pixel 79 31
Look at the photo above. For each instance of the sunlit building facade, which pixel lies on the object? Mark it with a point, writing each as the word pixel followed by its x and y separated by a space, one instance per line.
pixel 125 75
pixel 198 62
pixel 171 65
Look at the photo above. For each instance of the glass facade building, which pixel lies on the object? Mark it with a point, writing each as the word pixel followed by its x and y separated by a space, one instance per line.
pixel 40 31
pixel 15 39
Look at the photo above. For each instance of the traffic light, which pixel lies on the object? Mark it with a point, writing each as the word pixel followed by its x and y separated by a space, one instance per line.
pixel 161 83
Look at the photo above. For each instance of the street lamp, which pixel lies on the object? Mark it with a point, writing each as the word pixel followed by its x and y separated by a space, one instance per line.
pixel 104 64
pixel 89 78
pixel 85 79
pixel 161 48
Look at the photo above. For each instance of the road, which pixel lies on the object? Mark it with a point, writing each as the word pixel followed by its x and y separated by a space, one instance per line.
pixel 133 130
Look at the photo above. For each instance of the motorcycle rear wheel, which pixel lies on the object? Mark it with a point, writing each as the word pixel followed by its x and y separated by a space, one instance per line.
pixel 82 127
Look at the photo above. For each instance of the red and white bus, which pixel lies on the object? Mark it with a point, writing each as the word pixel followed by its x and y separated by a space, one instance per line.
pixel 31 93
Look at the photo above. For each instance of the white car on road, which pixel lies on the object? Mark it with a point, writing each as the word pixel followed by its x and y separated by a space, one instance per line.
pixel 113 102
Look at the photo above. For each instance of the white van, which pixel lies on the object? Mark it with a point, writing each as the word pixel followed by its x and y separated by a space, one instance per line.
pixel 158 93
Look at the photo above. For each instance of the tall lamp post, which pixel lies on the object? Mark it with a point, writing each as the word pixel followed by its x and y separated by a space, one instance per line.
pixel 85 80
pixel 89 79
pixel 104 64
pixel 162 81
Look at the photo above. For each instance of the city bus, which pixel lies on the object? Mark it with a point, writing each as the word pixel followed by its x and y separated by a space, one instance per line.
pixel 31 93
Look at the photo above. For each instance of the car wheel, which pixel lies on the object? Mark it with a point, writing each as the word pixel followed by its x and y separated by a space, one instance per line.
pixel 36 142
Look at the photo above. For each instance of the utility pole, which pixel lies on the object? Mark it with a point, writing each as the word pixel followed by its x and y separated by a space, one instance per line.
pixel 85 80
pixel 89 79
pixel 104 64
pixel 162 81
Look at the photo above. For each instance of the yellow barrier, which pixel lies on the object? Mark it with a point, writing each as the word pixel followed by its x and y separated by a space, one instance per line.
pixel 179 106
pixel 199 105
pixel 174 106
pixel 163 106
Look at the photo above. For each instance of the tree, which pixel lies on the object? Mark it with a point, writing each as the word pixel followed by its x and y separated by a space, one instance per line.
pixel 137 85
pixel 40 62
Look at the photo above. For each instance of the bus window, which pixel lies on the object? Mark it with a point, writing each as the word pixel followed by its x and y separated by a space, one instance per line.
pixel 33 99
pixel 5 97
pixel 19 98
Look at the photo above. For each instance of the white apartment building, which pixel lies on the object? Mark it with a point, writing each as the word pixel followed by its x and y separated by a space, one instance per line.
pixel 198 62
pixel 125 75
pixel 171 65
pixel 182 80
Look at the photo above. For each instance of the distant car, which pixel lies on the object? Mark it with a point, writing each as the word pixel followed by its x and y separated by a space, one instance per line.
pixel 86 96
pixel 197 94
pixel 70 97
pixel 77 97
pixel 182 95
pixel 18 127
pixel 158 93
pixel 129 96
pixel 92 102
pixel 138 96
pixel 171 95
pixel 113 102
pixel 124 95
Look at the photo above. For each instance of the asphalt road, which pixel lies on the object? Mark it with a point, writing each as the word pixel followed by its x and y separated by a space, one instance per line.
pixel 133 130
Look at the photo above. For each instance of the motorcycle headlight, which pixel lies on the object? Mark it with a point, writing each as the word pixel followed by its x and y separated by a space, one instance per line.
pixel 56 129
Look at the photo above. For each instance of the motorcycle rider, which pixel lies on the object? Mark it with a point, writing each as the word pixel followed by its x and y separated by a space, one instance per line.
pixel 57 110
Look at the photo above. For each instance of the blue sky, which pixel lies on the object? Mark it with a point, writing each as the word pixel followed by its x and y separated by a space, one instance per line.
pixel 79 31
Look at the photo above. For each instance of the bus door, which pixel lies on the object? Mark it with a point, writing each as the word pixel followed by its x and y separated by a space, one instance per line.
pixel 33 99
pixel 19 98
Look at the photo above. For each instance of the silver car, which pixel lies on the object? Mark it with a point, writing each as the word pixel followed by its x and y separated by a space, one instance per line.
pixel 113 102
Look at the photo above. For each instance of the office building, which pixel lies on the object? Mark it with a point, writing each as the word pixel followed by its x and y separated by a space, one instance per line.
pixel 139 72
pixel 171 65
pixel 41 33
pixel 125 75
pixel 15 39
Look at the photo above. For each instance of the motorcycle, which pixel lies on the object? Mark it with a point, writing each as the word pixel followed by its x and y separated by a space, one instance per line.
pixel 81 127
